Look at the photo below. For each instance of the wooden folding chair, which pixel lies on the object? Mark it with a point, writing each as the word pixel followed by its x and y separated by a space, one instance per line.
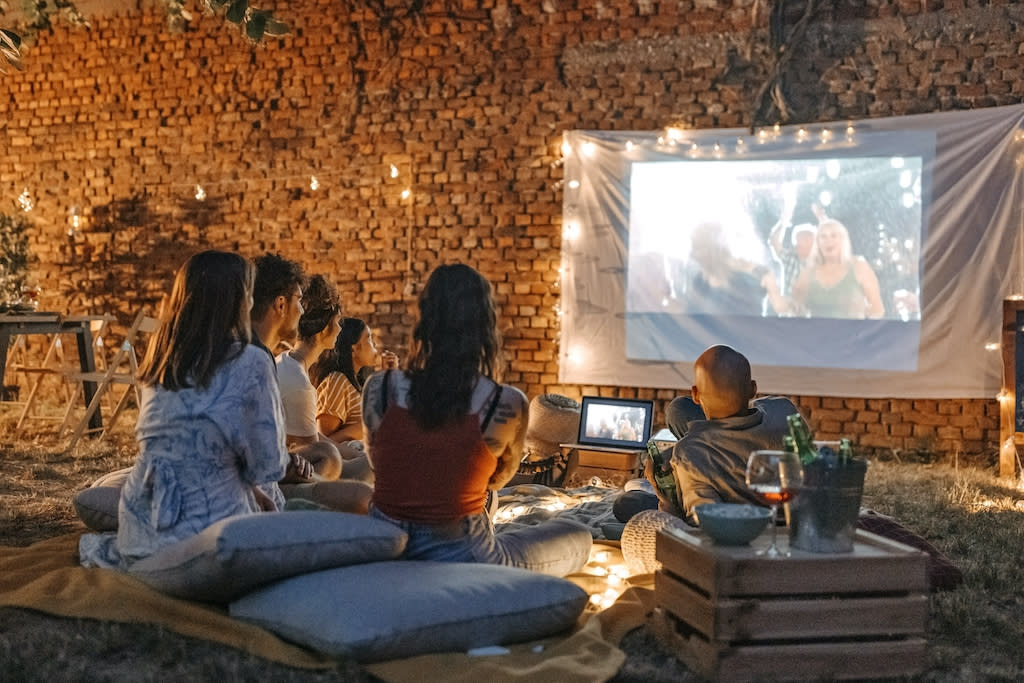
pixel 122 369
pixel 54 364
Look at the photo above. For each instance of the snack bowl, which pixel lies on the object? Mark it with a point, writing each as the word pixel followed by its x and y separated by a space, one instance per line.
pixel 733 523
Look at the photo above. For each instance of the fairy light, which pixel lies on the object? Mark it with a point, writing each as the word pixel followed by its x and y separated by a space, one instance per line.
pixel 566 148
pixel 570 230
pixel 589 148
pixel 314 184
pixel 849 132
pixel 1015 297
pixel 394 171
pixel 629 145
pixel 675 133
pixel 825 135
pixel 406 193
pixel 1004 396
pixel 801 135
pixel 574 184
pixel 992 346
pixel 200 193
pixel 25 200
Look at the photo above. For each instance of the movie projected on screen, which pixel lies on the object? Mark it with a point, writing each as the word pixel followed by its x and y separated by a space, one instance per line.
pixel 857 258
pixel 769 253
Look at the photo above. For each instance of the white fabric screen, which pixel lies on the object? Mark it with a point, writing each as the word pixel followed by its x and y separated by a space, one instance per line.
pixel 932 203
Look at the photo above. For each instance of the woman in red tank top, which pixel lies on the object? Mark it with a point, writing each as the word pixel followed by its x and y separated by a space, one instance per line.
pixel 444 432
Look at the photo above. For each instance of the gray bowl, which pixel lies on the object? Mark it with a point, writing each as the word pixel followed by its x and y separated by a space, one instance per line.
pixel 732 523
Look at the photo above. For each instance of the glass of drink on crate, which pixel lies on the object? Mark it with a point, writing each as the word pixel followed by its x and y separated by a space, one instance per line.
pixel 775 477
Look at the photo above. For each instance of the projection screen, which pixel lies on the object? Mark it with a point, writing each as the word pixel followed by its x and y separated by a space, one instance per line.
pixel 864 258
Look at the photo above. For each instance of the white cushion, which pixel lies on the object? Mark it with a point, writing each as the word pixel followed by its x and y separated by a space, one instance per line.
pixel 389 610
pixel 238 554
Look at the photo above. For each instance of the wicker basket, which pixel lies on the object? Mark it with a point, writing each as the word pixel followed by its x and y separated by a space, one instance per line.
pixel 638 539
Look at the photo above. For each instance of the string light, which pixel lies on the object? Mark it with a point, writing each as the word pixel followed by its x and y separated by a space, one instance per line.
pixel 394 171
pixel 25 201
pixel 574 184
pixel 314 184
pixel 406 193
pixel 200 193
pixel 992 346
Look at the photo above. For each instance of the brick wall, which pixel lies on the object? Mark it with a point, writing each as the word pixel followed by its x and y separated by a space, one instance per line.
pixel 466 102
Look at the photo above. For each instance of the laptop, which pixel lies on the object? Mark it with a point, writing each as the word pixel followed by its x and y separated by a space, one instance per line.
pixel 614 424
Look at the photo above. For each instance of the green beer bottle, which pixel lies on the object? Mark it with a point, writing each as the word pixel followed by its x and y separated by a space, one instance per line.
pixel 663 475
pixel 802 439
pixel 845 450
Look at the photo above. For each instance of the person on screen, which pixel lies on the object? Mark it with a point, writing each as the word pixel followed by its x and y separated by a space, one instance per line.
pixel 444 433
pixel 791 258
pixel 726 284
pixel 837 284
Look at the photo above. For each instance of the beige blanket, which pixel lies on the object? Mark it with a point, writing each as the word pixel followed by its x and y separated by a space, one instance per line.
pixel 47 577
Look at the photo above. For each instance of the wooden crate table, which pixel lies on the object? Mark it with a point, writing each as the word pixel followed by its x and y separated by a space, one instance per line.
pixel 613 467
pixel 731 615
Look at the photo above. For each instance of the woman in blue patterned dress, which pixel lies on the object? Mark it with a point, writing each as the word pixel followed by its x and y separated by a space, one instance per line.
pixel 211 428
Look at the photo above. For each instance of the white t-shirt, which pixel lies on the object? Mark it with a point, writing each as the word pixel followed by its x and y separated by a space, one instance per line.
pixel 297 396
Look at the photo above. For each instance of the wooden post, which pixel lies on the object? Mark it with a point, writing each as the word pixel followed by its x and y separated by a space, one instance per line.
pixel 1009 432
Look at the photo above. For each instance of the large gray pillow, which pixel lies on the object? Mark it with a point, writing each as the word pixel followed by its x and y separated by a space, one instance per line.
pixel 97 505
pixel 389 610
pixel 237 554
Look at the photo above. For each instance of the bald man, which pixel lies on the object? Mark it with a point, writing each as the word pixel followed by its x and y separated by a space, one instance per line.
pixel 710 458
pixel 718 426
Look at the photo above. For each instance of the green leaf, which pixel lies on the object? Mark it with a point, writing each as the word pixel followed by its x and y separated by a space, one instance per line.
pixel 10 39
pixel 255 27
pixel 236 13
pixel 276 28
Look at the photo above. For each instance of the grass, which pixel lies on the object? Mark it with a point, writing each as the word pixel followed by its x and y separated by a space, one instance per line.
pixel 974 632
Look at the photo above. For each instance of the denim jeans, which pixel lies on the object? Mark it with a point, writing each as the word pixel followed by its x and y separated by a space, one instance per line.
pixel 556 546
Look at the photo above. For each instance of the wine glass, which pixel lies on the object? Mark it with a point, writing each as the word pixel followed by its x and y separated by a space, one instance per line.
pixel 775 477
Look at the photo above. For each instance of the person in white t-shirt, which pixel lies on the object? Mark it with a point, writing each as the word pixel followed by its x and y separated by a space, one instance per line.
pixel 318 327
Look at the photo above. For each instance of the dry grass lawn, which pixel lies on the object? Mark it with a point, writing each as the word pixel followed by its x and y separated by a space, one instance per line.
pixel 975 632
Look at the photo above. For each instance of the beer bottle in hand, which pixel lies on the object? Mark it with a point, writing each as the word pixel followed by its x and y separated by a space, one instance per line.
pixel 663 475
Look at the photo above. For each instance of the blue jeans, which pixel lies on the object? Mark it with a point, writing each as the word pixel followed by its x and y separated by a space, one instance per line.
pixel 556 546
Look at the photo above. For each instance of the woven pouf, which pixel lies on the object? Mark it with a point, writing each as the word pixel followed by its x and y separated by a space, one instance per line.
pixel 554 420
pixel 639 535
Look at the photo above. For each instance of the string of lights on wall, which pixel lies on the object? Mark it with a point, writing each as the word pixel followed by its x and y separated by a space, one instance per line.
pixel 200 191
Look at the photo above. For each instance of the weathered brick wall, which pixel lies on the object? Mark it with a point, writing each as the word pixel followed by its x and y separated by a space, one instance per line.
pixel 466 101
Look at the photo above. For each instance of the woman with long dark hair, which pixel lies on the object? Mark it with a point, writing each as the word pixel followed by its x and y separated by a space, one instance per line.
pixel 337 378
pixel 444 433
pixel 210 427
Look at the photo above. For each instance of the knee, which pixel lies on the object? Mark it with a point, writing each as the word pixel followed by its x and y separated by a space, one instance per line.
pixel 630 503
pixel 680 412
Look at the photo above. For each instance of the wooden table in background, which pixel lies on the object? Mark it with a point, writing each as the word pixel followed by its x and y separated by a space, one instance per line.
pixel 13 324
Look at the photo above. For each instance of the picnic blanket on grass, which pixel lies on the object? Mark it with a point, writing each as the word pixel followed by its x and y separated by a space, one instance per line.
pixel 47 577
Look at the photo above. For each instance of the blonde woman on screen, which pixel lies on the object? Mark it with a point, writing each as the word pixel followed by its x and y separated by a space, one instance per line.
pixel 837 284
